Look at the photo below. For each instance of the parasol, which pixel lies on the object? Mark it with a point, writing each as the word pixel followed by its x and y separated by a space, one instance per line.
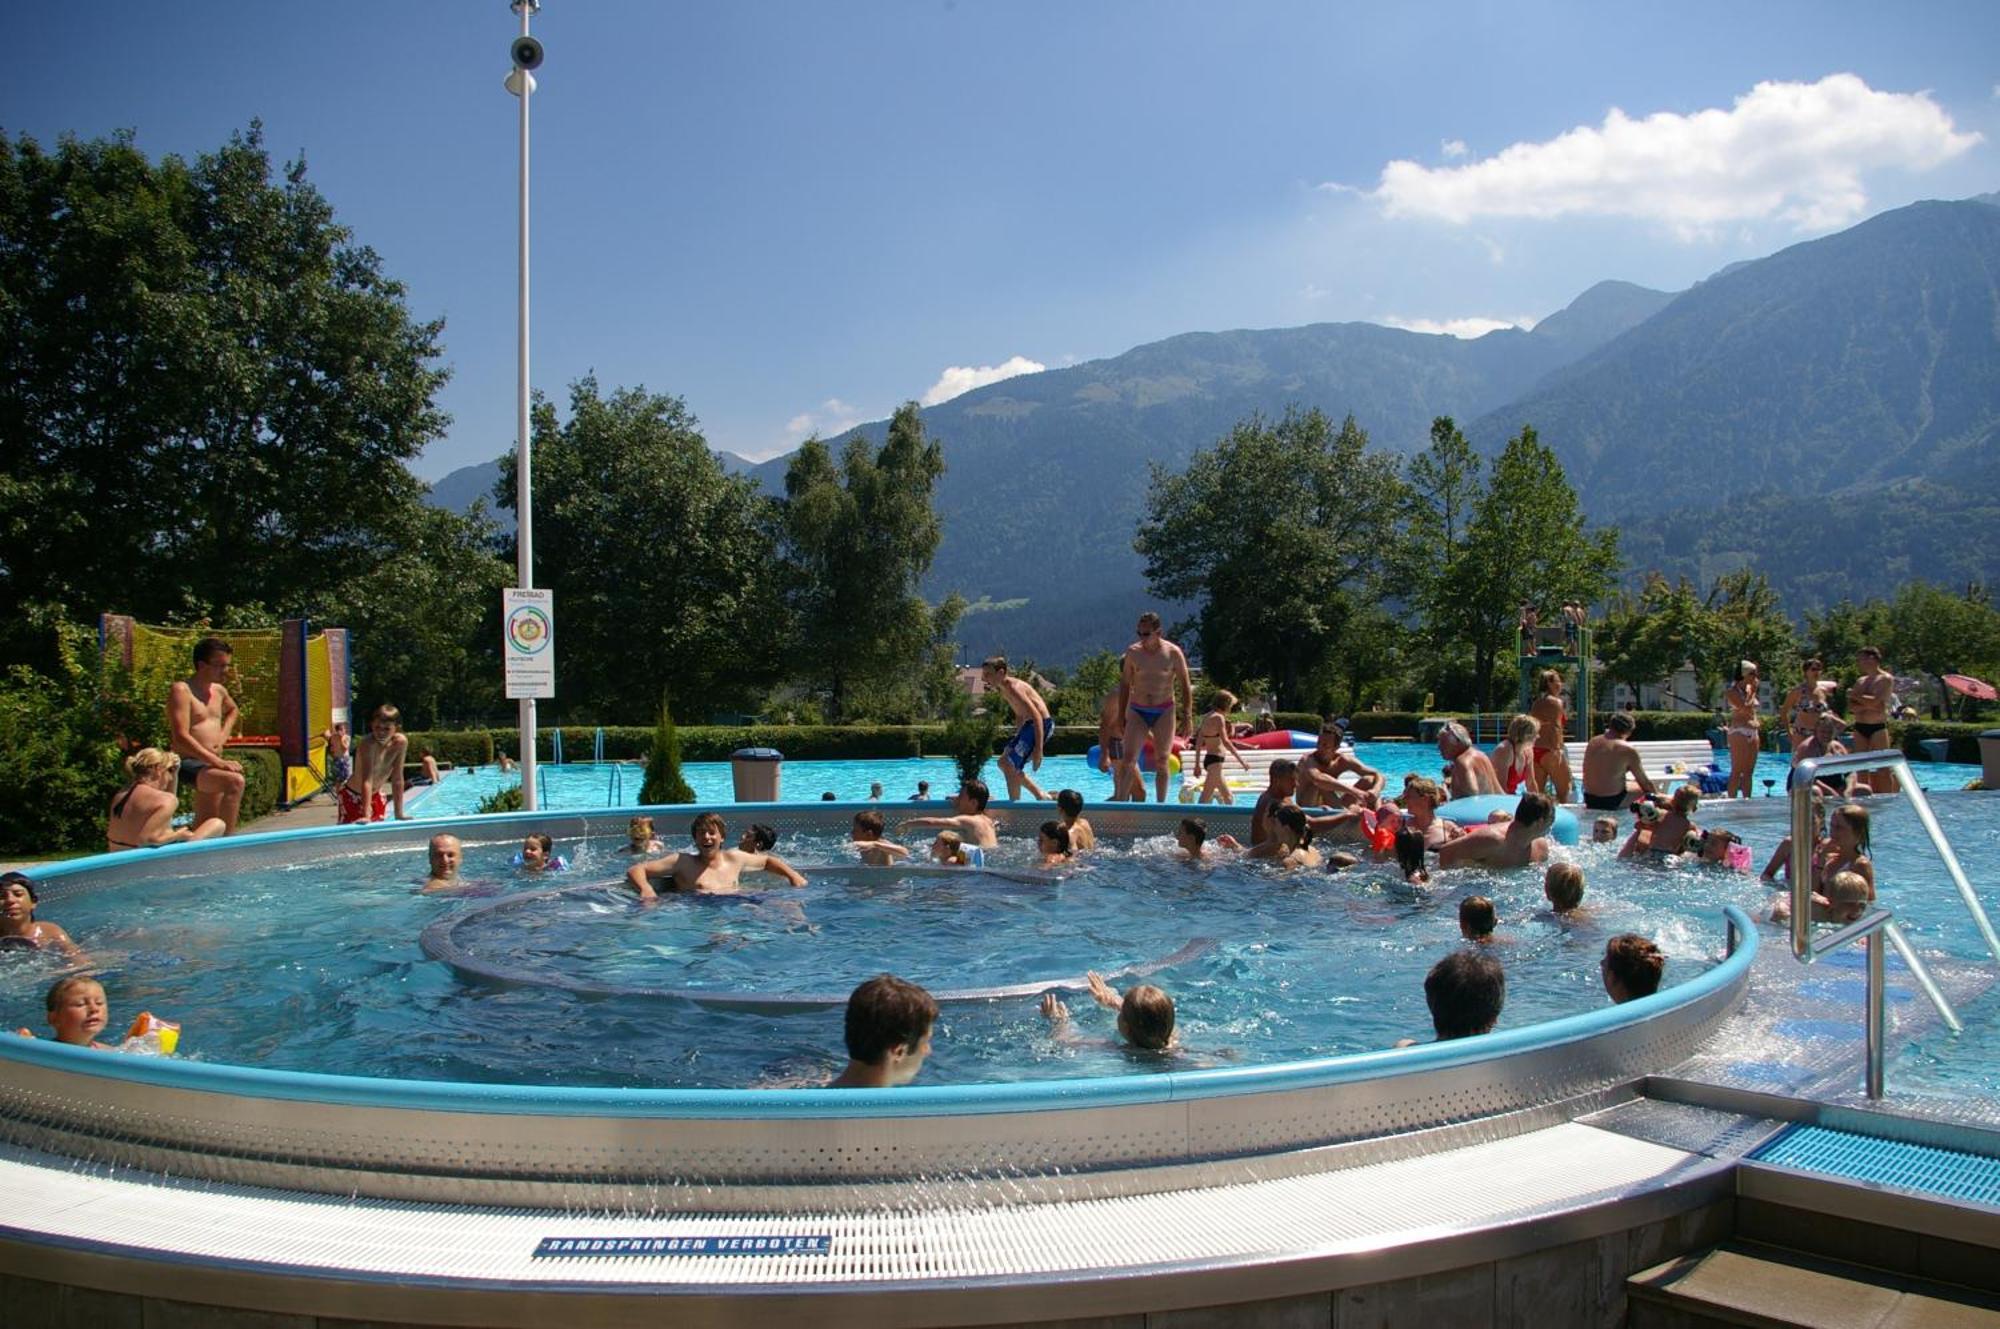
pixel 1971 687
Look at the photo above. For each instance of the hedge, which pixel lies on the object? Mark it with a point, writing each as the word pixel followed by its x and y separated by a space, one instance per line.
pixel 1963 738
pixel 456 747
pixel 263 781
pixel 716 742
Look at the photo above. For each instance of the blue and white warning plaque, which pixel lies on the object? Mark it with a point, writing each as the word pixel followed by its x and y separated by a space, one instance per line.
pixel 611 1248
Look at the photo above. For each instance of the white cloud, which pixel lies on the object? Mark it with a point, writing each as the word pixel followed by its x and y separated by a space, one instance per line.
pixel 1457 327
pixel 1454 147
pixel 1793 151
pixel 830 417
pixel 964 378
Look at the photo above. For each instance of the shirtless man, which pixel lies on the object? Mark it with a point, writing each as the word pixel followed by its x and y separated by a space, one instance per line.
pixel 1607 760
pixel 1869 698
pixel 1283 774
pixel 1031 713
pixel 970 821
pixel 378 764
pixel 1511 844
pixel 708 869
pixel 1551 753
pixel 1320 770
pixel 447 857
pixel 1150 683
pixel 1471 770
pixel 200 716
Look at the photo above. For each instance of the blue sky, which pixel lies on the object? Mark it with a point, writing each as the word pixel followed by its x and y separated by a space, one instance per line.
pixel 798 215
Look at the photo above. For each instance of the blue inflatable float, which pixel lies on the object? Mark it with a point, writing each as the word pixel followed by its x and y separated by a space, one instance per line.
pixel 1145 760
pixel 1475 810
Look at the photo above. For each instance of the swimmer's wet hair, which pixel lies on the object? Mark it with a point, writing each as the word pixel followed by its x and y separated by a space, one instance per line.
pixel 1057 834
pixel 1635 962
pixel 1563 885
pixel 1070 803
pixel 1146 1016
pixel 1856 817
pixel 542 840
pixel 1476 916
pixel 1535 809
pixel 762 836
pixel 708 819
pixel 1284 766
pixel 884 1013
pixel 20 879
pixel 977 791
pixel 870 821
pixel 1465 991
pixel 1196 827
pixel 62 987
pixel 1294 820
pixel 1410 849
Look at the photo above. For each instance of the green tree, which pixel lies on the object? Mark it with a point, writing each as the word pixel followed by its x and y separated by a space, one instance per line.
pixel 1836 634
pixel 1748 623
pixel 1279 532
pixel 212 388
pixel 1935 632
pixel 1525 542
pixel 659 561
pixel 664 782
pixel 1646 638
pixel 1082 694
pixel 1443 486
pixel 858 538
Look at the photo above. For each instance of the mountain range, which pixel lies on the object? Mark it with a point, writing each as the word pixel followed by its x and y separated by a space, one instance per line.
pixel 1826 415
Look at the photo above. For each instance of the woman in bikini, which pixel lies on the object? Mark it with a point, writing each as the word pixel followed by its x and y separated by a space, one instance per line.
pixel 1212 734
pixel 1551 758
pixel 1517 756
pixel 1805 702
pixel 142 815
pixel 1746 735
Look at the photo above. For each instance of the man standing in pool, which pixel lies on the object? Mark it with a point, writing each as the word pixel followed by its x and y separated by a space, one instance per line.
pixel 1870 699
pixel 200 715
pixel 1152 679
pixel 707 869
pixel 1031 713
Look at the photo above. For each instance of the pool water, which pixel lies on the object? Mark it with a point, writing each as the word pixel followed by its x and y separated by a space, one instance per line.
pixel 609 785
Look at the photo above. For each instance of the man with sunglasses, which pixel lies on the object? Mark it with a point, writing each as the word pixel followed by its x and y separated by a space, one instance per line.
pixel 1150 683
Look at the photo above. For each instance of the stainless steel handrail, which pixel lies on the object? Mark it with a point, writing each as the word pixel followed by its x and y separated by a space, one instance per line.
pixel 1805 949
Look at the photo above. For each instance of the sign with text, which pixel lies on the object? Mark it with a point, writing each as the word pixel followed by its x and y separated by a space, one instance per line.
pixel 612 1247
pixel 528 630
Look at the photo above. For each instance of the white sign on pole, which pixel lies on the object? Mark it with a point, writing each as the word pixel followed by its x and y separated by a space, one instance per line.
pixel 528 630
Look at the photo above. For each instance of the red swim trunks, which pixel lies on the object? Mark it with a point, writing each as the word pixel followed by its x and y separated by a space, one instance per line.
pixel 352 810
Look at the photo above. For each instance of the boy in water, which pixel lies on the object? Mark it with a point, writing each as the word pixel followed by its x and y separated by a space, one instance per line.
pixel 708 868
pixel 378 764
pixel 1283 782
pixel 1510 844
pixel 1562 884
pixel 1082 839
pixel 1465 991
pixel 200 717
pixel 888 1032
pixel 1145 1013
pixel 1151 681
pixel 759 839
pixel 968 818
pixel 1476 919
pixel 868 842
pixel 77 1013
pixel 1031 713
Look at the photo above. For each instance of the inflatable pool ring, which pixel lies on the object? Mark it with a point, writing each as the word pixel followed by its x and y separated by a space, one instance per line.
pixel 1281 739
pixel 1474 811
pixel 1173 761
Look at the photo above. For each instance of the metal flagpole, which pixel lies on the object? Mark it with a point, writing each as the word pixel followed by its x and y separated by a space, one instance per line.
pixel 521 82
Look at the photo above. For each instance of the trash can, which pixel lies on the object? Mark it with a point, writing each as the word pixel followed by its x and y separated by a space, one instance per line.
pixel 755 773
pixel 1934 749
pixel 1989 758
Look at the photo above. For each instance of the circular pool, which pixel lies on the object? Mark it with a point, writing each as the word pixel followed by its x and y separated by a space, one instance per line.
pixel 556 1044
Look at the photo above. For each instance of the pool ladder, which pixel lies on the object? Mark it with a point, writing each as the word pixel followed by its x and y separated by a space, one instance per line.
pixel 614 787
pixel 1806 949
pixel 597 748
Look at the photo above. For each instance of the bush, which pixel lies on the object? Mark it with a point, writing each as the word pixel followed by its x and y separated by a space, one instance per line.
pixel 971 737
pixel 1964 738
pixel 1402 724
pixel 459 747
pixel 263 782
pixel 504 800
pixel 664 783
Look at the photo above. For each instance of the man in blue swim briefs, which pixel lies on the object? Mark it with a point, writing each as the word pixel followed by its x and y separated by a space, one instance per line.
pixel 1031 713
pixel 1152 679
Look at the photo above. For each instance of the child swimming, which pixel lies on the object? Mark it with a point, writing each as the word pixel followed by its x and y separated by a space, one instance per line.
pixel 640 838
pixel 868 842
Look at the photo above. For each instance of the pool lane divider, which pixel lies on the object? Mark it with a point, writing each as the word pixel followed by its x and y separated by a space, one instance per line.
pixel 440 944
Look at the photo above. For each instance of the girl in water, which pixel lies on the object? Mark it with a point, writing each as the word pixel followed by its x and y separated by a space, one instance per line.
pixel 1745 734
pixel 19 929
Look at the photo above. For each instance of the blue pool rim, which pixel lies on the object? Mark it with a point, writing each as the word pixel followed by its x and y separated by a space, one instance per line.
pixel 803 1104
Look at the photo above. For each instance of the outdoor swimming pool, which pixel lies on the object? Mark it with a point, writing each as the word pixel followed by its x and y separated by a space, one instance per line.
pixel 594 785
pixel 317 966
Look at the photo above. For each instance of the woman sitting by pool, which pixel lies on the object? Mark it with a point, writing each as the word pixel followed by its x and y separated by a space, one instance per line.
pixel 20 930
pixel 142 816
